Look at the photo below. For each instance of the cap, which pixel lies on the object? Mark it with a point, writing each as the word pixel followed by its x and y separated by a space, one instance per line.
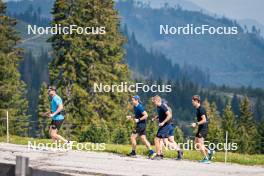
pixel 136 97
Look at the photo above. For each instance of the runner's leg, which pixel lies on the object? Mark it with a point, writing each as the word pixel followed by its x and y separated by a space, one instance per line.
pixel 55 136
pixel 145 141
pixel 158 145
pixel 172 144
pixel 199 142
pixel 133 139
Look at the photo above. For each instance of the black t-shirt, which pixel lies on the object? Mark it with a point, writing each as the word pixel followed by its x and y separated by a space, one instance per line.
pixel 199 113
pixel 162 109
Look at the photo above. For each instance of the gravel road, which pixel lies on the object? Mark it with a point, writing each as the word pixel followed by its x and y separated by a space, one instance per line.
pixel 93 163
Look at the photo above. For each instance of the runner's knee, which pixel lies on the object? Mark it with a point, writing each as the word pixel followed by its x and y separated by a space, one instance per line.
pixel 143 137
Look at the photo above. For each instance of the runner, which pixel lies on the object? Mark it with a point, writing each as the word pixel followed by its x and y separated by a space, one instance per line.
pixel 56 113
pixel 202 123
pixel 140 119
pixel 167 140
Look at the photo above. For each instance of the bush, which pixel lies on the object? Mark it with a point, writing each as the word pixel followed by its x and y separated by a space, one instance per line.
pixel 96 132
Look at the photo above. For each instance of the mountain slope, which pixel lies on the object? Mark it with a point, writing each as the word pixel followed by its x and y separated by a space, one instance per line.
pixel 225 57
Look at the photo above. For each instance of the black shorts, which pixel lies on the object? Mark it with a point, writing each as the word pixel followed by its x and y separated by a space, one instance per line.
pixel 56 124
pixel 201 133
pixel 163 132
pixel 140 129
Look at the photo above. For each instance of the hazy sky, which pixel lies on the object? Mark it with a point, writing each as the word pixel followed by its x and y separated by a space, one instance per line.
pixel 238 9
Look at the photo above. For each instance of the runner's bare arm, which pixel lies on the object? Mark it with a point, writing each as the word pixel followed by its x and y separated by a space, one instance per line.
pixel 144 117
pixel 59 109
pixel 200 122
pixel 46 114
pixel 168 113
pixel 155 118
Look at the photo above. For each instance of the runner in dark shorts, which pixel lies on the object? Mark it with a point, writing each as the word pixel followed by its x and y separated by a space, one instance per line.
pixel 164 117
pixel 168 140
pixel 140 119
pixel 202 123
pixel 140 129
pixel 57 116
pixel 56 124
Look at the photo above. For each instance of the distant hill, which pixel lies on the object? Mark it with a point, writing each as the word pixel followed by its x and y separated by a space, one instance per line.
pixel 233 60
pixel 22 6
pixel 250 23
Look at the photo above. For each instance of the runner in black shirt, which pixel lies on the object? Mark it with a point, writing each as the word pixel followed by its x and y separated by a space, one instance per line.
pixel 140 119
pixel 164 116
pixel 170 142
pixel 202 123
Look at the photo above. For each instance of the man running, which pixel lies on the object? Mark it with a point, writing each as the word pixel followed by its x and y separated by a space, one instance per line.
pixel 202 123
pixel 140 119
pixel 165 133
pixel 56 114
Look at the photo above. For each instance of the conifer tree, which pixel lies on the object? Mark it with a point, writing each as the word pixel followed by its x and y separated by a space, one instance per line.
pixel 12 89
pixel 229 124
pixel 152 127
pixel 214 126
pixel 260 140
pixel 247 128
pixel 82 60
pixel 43 107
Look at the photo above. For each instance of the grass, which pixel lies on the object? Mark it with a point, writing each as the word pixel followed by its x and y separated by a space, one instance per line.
pixel 244 159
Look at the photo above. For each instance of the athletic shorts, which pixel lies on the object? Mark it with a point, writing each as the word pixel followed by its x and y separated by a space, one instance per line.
pixel 201 133
pixel 171 130
pixel 56 124
pixel 163 132
pixel 140 129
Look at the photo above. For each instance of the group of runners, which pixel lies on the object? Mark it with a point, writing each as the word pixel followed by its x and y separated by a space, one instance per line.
pixel 165 134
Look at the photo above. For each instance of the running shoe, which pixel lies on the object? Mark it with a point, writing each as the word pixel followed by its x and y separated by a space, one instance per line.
pixel 151 154
pixel 211 154
pixel 180 155
pixel 132 154
pixel 205 161
pixel 157 157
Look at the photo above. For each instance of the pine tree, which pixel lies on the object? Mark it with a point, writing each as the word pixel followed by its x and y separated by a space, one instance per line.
pixel 12 89
pixel 43 107
pixel 259 110
pixel 260 140
pixel 229 124
pixel 152 127
pixel 247 128
pixel 81 60
pixel 178 135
